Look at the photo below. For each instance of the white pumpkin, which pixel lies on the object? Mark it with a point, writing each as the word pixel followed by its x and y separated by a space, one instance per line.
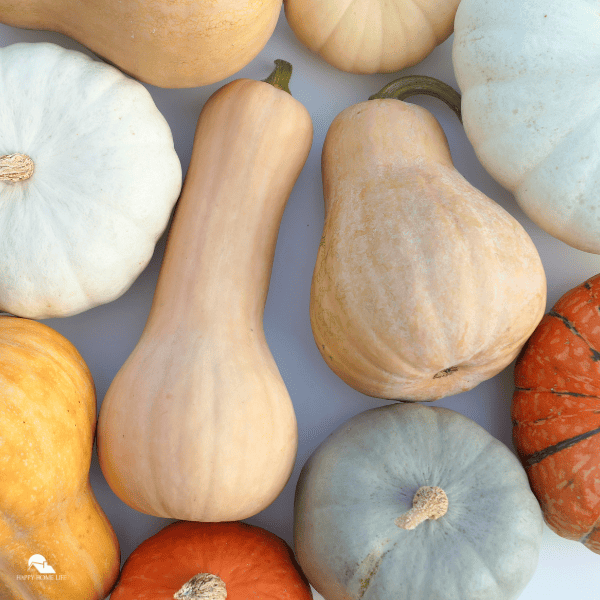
pixel 80 220
pixel 359 536
pixel 528 73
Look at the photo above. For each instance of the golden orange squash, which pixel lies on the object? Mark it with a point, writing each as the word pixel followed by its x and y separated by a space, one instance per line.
pixel 55 541
pixel 168 43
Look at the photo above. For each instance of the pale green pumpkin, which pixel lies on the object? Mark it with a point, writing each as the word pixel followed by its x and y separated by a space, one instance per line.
pixel 355 491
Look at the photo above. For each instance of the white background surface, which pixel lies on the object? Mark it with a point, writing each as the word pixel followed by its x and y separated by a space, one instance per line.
pixel 106 335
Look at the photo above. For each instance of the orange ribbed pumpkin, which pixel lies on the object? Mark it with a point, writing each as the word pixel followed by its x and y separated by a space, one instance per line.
pixel 249 563
pixel 556 414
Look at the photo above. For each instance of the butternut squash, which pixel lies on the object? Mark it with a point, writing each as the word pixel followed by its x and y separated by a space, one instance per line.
pixel 168 43
pixel 423 286
pixel 197 424
pixel 55 541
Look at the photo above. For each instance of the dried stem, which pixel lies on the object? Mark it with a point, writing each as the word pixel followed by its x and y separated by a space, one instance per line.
pixel 428 503
pixel 204 586
pixel 15 167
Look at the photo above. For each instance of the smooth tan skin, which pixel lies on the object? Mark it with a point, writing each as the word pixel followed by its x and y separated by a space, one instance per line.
pixel 47 507
pixel 371 36
pixel 167 43
pixel 198 424
pixel 423 287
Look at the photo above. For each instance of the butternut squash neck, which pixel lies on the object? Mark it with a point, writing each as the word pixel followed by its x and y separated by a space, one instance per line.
pixel 219 253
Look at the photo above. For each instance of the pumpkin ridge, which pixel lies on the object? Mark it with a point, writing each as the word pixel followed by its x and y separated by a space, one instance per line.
pixel 569 324
pixel 419 7
pixel 365 582
pixel 58 223
pixel 467 536
pixel 386 374
pixel 557 392
pixel 537 457
pixel 337 25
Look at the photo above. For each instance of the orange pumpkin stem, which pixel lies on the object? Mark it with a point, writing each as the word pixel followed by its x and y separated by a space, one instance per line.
pixel 15 167
pixel 204 586
pixel 428 503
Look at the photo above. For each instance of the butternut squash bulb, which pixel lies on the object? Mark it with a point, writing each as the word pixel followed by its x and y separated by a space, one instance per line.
pixel 88 179
pixel 55 541
pixel 423 286
pixel 167 43
pixel 198 424
pixel 361 36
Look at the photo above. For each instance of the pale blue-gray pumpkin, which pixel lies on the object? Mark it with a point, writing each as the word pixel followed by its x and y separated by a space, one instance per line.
pixel 355 496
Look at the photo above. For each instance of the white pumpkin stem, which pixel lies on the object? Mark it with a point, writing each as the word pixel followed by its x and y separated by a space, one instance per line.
pixel 428 503
pixel 204 586
pixel 15 167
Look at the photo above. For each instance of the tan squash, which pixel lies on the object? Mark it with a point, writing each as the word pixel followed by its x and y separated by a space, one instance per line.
pixel 55 541
pixel 423 286
pixel 371 36
pixel 198 424
pixel 167 43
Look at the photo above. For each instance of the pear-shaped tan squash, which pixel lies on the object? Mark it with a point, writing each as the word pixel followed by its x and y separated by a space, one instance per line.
pixel 423 286
pixel 167 43
pixel 197 424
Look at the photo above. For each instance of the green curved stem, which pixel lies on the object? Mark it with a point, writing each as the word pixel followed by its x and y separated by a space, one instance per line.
pixel 280 77
pixel 412 85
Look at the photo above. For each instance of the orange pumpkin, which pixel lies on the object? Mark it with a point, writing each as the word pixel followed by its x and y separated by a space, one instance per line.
pixel 556 414
pixel 193 560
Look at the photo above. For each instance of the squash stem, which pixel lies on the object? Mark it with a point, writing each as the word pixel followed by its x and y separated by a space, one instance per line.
pixel 428 503
pixel 412 85
pixel 204 586
pixel 280 77
pixel 15 167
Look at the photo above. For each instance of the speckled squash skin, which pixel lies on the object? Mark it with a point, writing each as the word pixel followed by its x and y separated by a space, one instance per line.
pixel 556 414
pixel 47 506
pixel 364 476
pixel 167 43
pixel 362 36
pixel 423 286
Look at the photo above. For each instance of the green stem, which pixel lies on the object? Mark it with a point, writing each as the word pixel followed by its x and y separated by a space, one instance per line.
pixel 280 77
pixel 412 85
